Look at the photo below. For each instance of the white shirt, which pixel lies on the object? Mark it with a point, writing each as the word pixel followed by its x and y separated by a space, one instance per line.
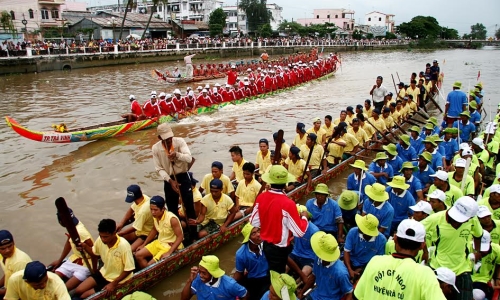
pixel 379 94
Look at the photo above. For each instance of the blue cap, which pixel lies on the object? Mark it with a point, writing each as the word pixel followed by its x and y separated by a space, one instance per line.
pixel 387 109
pixel 5 237
pixel 377 111
pixel 342 124
pixel 368 101
pixel 216 184
pixel 193 181
pixel 312 136
pixel 359 106
pixel 275 137
pixel 301 127
pixel 217 164
pixel 133 193
pixel 158 201
pixel 294 150
pixel 34 271
pixel 75 219
pixel 350 108
pixel 393 104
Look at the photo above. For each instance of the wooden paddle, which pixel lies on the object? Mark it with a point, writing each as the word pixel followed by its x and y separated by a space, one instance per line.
pixel 308 160
pixel 435 103
pixel 378 131
pixel 336 132
pixel 277 150
pixel 400 128
pixel 67 221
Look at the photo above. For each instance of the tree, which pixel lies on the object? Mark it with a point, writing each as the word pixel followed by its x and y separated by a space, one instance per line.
pixel 369 36
pixel 478 32
pixel 130 3
pixel 265 30
pixel 6 22
pixel 497 34
pixel 449 33
pixel 153 10
pixel 217 22
pixel 356 34
pixel 421 27
pixel 290 27
pixel 257 13
pixel 390 36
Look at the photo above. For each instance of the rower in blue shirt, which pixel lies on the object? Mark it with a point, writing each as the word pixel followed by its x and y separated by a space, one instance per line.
pixel 456 102
pixel 423 171
pixel 380 169
pixel 394 160
pixel 348 202
pixel 400 199
pixel 434 121
pixel 428 130
pixel 359 173
pixel 362 244
pixel 250 260
pixel 431 147
pixel 377 205
pixel 475 116
pixel 416 139
pixel 283 286
pixel 405 150
pixel 329 273
pixel 465 128
pixel 326 212
pixel 415 189
pixel 302 253
pixel 450 145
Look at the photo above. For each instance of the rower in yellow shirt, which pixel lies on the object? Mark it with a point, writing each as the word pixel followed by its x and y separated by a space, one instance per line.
pixel 238 162
pixel 317 159
pixel 350 115
pixel 377 122
pixel 386 116
pixel 396 116
pixel 263 158
pixel 301 137
pixel 296 166
pixel 318 131
pixel 328 126
pixel 368 108
pixel 247 191
pixel 414 91
pixel 358 132
pixel 217 173
pixel 12 259
pixel 402 91
pixel 285 148
pixel 412 105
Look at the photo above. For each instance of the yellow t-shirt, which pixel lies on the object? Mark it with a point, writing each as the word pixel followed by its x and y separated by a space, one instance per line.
pixel 217 211
pixel 166 234
pixel 263 162
pixel 227 186
pixel 402 112
pixel 285 149
pixel 401 94
pixel 329 130
pixel 316 156
pixel 116 259
pixel 16 262
pixel 247 193
pixel 368 113
pixel 395 116
pixel 320 134
pixel 469 183
pixel 360 136
pixel 238 169
pixel 414 92
pixel 17 288
pixel 197 195
pixel 337 121
pixel 348 119
pixel 370 131
pixel 412 107
pixel 334 151
pixel 143 222
pixel 379 124
pixel 84 235
pixel 351 142
pixel 298 142
pixel 297 168
pixel 389 121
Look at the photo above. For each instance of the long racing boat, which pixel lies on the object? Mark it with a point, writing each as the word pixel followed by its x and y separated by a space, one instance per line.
pixel 151 275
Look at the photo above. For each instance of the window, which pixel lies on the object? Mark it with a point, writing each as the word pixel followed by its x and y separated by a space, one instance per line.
pixel 380 19
pixel 317 16
pixel 336 16
pixel 12 15
pixel 45 14
pixel 159 9
pixel 328 16
pixel 54 13
pixel 369 19
pixel 347 26
pixel 30 12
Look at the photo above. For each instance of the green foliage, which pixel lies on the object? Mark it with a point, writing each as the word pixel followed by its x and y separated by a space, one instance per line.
pixel 477 32
pixel 290 28
pixel 265 30
pixel 390 36
pixel 369 36
pixel 421 27
pixel 357 35
pixel 449 33
pixel 257 13
pixel 6 22
pixel 217 22
pixel 497 34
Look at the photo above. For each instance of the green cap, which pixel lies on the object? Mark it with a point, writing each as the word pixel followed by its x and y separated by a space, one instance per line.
pixel 380 155
pixel 473 104
pixel 436 138
pixel 465 113
pixel 451 130
pixel 426 155
pixel 414 128
pixel 405 138
pixel 406 165
pixel 321 189
pixel 429 139
pixel 457 84
pixel 391 149
pixel 429 126
pixel 433 120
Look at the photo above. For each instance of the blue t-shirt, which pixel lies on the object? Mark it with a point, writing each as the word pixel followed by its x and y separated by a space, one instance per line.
pixel 417 144
pixel 441 149
pixel 456 99
pixel 465 130
pixel 302 245
pixel 384 214
pixel 265 296
pixel 437 160
pixel 353 183
pixel 375 168
pixel 406 154
pixel 450 148
pixel 325 216
pixel 361 250
pixel 396 164
pixel 415 186
pixel 226 288
pixel 424 176
pixel 401 204
pixel 475 117
pixel 332 281
pixel 255 265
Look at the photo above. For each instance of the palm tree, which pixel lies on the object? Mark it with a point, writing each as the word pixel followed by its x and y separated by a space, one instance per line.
pixel 153 9
pixel 6 22
pixel 130 3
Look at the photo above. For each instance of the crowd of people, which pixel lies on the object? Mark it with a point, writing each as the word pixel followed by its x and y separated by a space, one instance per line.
pixel 420 222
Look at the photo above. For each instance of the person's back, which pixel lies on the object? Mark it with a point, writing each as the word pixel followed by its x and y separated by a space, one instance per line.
pixel 404 279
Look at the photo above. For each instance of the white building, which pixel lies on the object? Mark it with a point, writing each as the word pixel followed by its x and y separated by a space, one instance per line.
pixel 195 10
pixel 378 19
pixel 276 11
pixel 235 23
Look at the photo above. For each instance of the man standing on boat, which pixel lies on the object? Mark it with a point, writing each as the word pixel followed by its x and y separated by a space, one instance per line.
pixel 378 93
pixel 189 65
pixel 277 217
pixel 172 157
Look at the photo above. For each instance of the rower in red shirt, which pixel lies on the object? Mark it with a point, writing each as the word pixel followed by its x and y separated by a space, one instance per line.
pixel 277 217
pixel 216 96
pixel 178 101
pixel 135 111
pixel 165 105
pixel 204 99
pixel 238 93
pixel 260 84
pixel 232 75
pixel 227 94
pixel 150 108
pixel 268 83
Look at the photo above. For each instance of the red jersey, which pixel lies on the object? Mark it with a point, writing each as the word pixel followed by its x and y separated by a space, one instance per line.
pixel 135 108
pixel 151 110
pixel 277 217
pixel 217 98
pixel 228 95
pixel 231 77
pixel 204 100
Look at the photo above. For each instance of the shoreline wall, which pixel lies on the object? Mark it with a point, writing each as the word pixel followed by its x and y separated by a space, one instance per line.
pixel 67 62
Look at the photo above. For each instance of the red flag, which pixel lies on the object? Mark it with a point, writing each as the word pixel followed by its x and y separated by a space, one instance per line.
pixel 478 75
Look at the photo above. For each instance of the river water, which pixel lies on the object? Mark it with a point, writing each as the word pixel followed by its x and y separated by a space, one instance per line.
pixel 93 176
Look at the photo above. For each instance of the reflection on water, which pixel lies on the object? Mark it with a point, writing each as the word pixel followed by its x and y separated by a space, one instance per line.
pixel 93 176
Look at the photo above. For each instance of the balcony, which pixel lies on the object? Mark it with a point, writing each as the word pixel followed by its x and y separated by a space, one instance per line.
pixel 53 2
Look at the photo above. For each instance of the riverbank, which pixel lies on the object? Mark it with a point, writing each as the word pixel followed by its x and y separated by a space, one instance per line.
pixel 99 58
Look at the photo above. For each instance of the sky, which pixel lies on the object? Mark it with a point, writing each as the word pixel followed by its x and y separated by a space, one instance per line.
pixel 457 14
